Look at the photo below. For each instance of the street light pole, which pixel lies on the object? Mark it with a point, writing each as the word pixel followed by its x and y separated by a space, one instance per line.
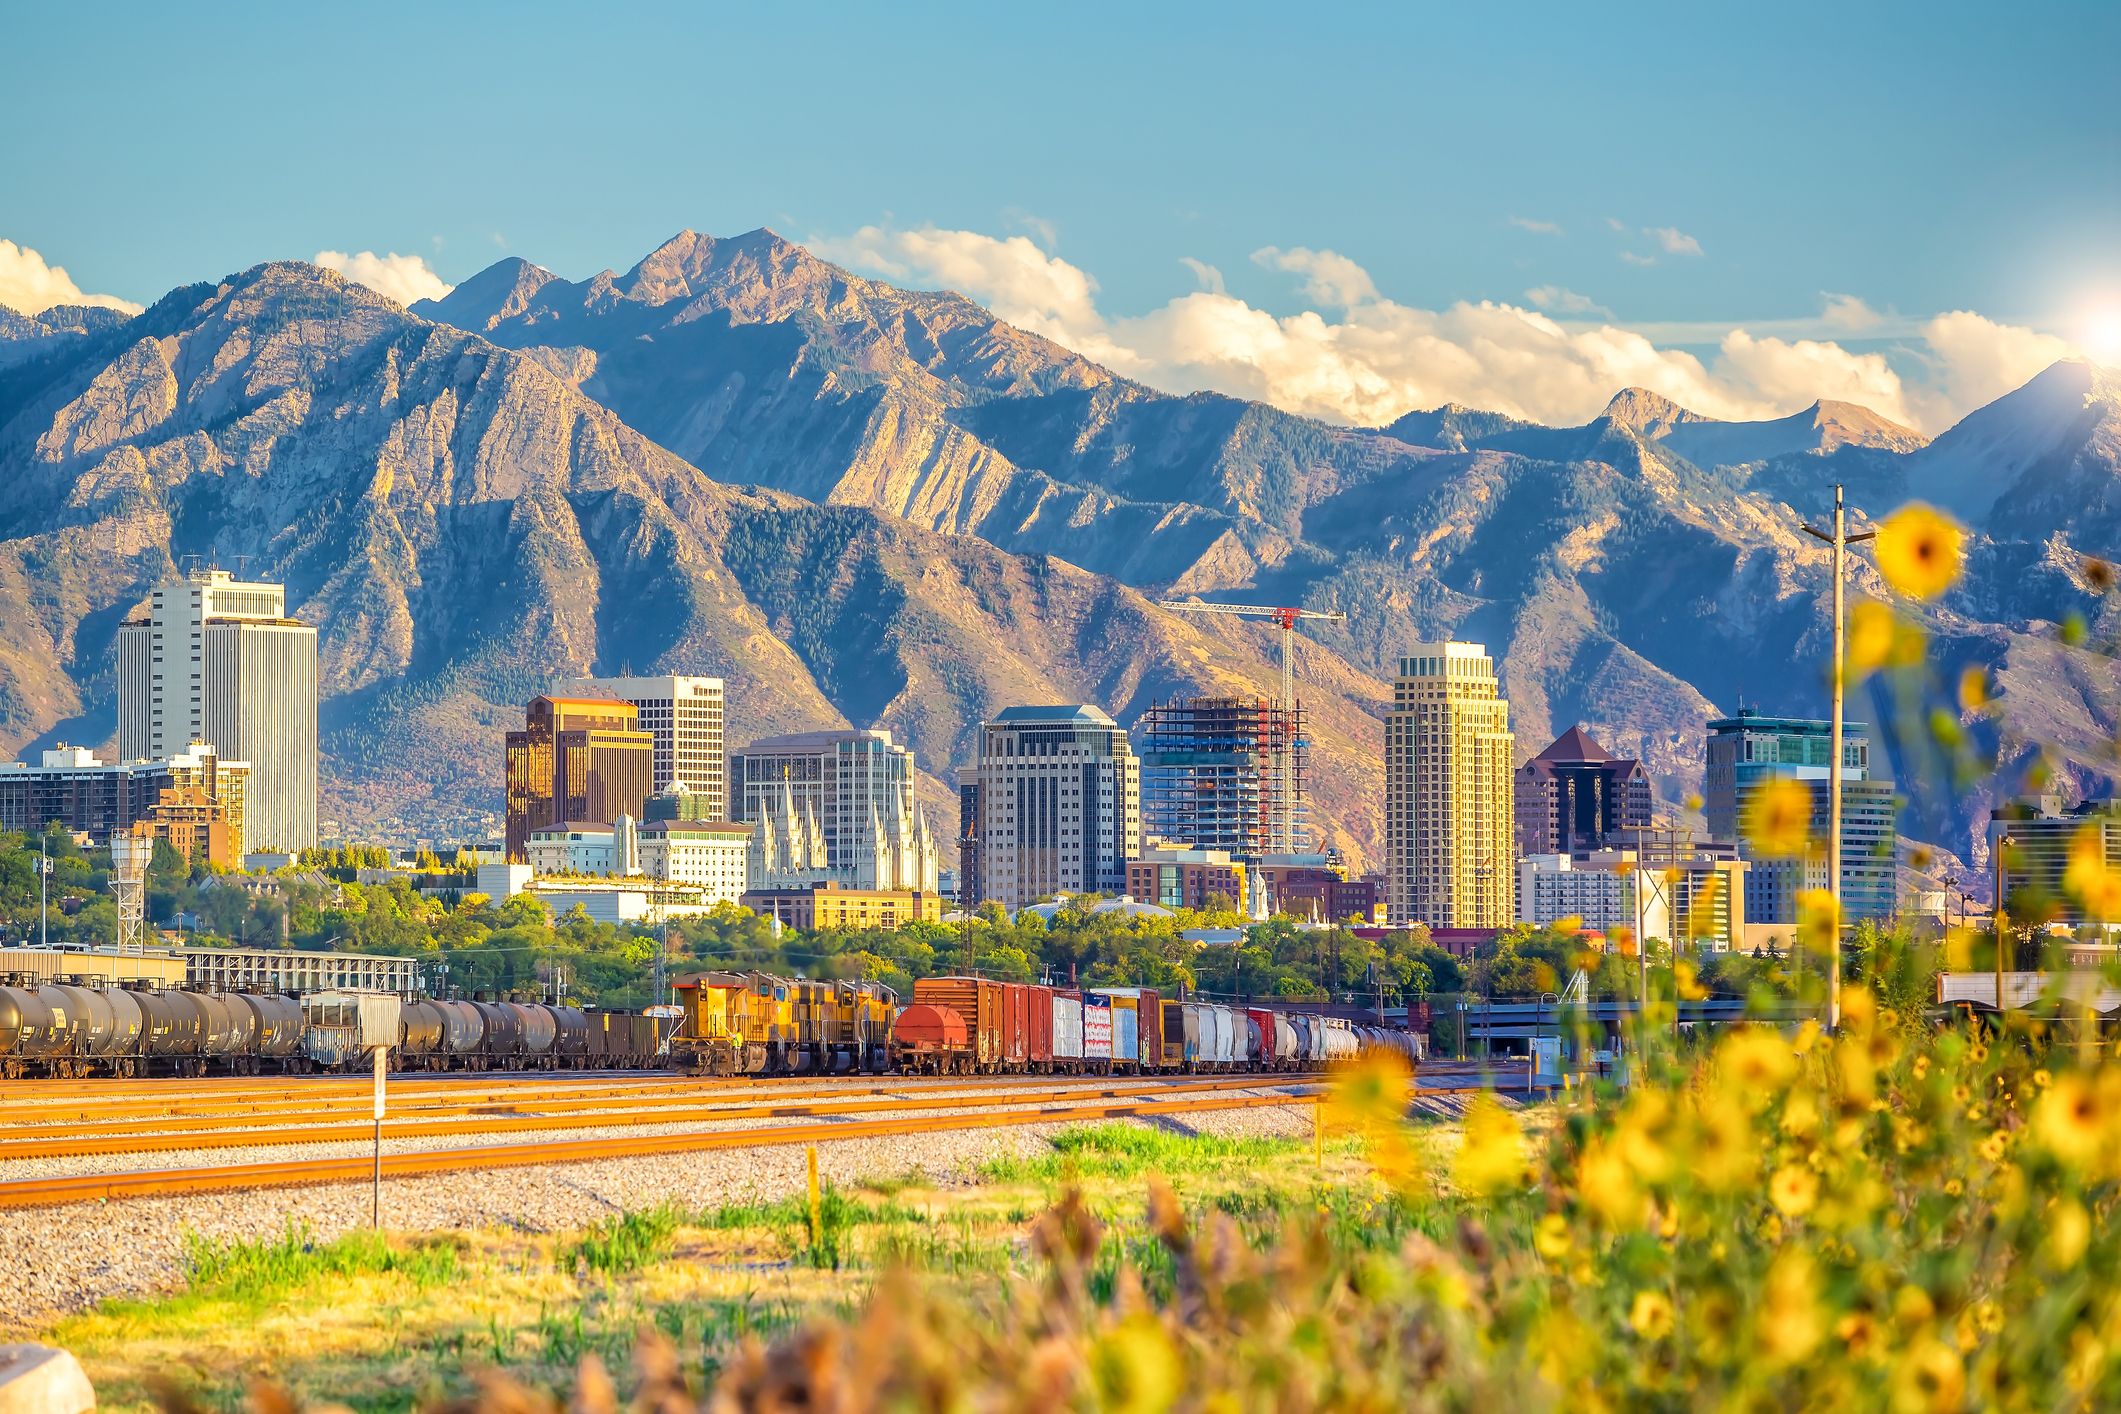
pixel 1837 678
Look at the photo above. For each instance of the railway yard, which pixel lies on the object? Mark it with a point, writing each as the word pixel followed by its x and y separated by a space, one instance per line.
pixel 100 1183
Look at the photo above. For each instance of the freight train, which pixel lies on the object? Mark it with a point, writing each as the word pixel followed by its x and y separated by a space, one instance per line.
pixel 751 1023
pixel 84 1028
pixel 731 1023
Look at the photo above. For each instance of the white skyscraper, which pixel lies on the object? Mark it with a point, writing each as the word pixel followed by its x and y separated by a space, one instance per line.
pixel 217 660
pixel 687 717
pixel 1059 795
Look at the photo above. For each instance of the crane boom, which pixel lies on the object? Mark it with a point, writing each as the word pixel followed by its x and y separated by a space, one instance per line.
pixel 1287 617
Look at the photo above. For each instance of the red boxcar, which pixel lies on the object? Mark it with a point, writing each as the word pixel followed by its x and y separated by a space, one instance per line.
pixel 1262 1038
pixel 1152 1030
pixel 1040 1051
pixel 1016 1025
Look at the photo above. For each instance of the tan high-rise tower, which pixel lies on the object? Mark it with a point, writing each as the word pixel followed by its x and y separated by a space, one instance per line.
pixel 1450 830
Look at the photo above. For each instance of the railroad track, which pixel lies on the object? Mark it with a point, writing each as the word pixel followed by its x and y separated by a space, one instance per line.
pixel 47 1116
pixel 76 1140
pixel 75 1103
pixel 158 1183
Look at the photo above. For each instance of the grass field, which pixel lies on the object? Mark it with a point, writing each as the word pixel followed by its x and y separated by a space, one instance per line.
pixel 388 1322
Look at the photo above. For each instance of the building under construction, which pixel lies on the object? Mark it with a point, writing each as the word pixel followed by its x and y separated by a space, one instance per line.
pixel 1212 773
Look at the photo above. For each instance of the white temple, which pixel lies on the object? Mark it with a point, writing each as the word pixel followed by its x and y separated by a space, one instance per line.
pixel 788 849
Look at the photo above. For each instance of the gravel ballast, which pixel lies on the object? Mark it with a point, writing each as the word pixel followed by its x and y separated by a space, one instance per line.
pixel 68 1258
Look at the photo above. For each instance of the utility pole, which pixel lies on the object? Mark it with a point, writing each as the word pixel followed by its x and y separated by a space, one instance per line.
pixel 662 949
pixel 1837 677
pixel 2003 923
pixel 44 874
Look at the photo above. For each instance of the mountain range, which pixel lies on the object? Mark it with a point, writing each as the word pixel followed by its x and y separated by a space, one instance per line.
pixel 868 505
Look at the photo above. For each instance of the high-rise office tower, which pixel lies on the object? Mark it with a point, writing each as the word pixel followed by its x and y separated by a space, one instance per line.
pixel 1450 838
pixel 1749 749
pixel 1575 797
pixel 2055 856
pixel 1211 774
pixel 218 661
pixel 1059 795
pixel 687 718
pixel 845 797
pixel 577 760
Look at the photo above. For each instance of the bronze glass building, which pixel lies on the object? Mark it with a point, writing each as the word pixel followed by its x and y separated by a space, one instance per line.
pixel 576 758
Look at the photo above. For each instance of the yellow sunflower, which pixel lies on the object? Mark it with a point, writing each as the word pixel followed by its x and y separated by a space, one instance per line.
pixel 2089 880
pixel 1818 921
pixel 2074 1120
pixel 1651 1315
pixel 1793 1189
pixel 1778 819
pixel 1974 691
pixel 1920 550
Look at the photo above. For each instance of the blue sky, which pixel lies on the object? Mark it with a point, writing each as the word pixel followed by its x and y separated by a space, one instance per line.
pixel 1917 159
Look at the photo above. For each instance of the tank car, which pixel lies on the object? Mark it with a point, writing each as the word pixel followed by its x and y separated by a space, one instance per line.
pixel 35 1032
pixel 570 1046
pixel 422 1031
pixel 956 1026
pixel 539 1032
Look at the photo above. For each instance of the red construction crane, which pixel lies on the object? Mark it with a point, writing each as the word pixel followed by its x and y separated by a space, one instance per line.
pixel 1287 618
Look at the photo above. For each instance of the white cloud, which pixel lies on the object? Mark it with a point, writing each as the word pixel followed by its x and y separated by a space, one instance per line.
pixel 1633 258
pixel 29 286
pixel 1849 314
pixel 1368 359
pixel 1789 374
pixel 1045 231
pixel 1556 300
pixel 1978 360
pixel 1536 226
pixel 1329 277
pixel 1211 279
pixel 1672 240
pixel 404 278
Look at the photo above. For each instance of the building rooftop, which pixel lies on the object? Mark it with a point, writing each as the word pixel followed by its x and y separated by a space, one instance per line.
pixel 1575 744
pixel 1081 712
pixel 1749 719
pixel 695 827
pixel 812 741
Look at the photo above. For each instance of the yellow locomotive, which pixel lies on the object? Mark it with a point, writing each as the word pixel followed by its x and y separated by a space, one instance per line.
pixel 752 1023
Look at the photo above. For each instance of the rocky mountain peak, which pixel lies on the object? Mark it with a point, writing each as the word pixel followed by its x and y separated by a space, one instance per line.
pixel 501 291
pixel 690 265
pixel 1842 424
pixel 1646 413
pixel 2026 443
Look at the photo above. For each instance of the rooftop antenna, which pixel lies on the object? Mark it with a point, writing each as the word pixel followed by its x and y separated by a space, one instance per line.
pixel 242 565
